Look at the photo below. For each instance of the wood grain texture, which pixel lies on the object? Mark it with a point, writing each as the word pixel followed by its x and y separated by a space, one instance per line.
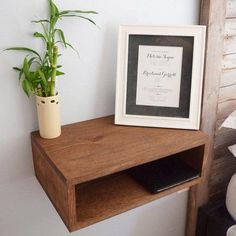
pixel 228 76
pixel 231 9
pixel 213 13
pixel 225 109
pixel 227 93
pixel 192 210
pixel 229 36
pixel 222 152
pixel 229 45
pixel 197 192
pixel 112 195
pixel 222 169
pixel 83 171
pixel 222 82
pixel 226 105
pixel 230 30
pixel 213 16
pixel 59 193
pixel 229 62
pixel 225 138
pixel 96 148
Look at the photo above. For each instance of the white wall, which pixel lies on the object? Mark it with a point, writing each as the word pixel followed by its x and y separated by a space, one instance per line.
pixel 87 91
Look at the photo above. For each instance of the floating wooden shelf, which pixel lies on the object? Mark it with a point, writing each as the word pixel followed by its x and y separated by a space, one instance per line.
pixel 84 170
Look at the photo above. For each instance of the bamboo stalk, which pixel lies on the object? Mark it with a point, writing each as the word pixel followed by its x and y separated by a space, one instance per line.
pixel 54 71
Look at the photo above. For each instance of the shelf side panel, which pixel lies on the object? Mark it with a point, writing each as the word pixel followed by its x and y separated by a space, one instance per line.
pixel 61 195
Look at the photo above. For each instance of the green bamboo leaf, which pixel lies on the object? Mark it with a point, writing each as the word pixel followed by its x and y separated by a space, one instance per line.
pixel 68 44
pixel 36 81
pixel 32 60
pixel 43 78
pixel 20 74
pixel 56 10
pixel 46 67
pixel 33 80
pixel 26 70
pixel 32 75
pixel 83 17
pixel 24 49
pixel 77 11
pixel 20 70
pixel 26 87
pixel 52 8
pixel 40 21
pixel 47 72
pixel 46 33
pixel 43 82
pixel 60 73
pixel 16 68
pixel 25 64
pixel 62 36
pixel 54 14
pixel 39 35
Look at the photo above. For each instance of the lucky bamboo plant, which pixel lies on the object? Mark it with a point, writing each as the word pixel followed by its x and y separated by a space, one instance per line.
pixel 39 71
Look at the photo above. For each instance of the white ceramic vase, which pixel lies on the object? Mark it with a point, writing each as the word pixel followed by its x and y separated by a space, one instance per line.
pixel 48 109
pixel 231 197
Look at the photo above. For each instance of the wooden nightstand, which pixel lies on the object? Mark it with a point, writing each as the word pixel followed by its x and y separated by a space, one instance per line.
pixel 84 174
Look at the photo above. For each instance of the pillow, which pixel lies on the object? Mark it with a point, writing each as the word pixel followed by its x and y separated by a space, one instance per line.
pixel 231 197
pixel 232 231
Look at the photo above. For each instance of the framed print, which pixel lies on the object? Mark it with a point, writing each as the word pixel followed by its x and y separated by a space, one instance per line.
pixel 159 76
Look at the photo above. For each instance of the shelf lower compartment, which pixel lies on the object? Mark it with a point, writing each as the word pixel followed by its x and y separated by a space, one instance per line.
pixel 112 195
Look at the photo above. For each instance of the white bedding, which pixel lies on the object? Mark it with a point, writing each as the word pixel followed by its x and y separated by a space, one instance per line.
pixel 232 231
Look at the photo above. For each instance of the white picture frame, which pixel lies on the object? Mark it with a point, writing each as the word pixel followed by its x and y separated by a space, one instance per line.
pixel 134 66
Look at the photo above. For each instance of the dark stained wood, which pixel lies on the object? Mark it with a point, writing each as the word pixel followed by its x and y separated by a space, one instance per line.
pixel 194 157
pixel 59 193
pixel 96 148
pixel 113 195
pixel 192 211
pixel 86 166
pixel 197 194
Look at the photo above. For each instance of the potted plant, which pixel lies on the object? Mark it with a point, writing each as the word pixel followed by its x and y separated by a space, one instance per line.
pixel 39 71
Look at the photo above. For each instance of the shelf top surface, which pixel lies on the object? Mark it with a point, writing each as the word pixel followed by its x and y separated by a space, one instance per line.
pixel 96 148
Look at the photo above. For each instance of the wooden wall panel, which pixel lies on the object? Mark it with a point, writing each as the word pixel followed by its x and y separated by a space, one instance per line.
pixel 230 30
pixel 213 16
pixel 229 62
pixel 230 36
pixel 229 45
pixel 230 8
pixel 225 139
pixel 228 75
pixel 225 108
pixel 227 93
pixel 224 164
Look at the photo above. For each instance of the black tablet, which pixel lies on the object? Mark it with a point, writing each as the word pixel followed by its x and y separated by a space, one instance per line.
pixel 162 174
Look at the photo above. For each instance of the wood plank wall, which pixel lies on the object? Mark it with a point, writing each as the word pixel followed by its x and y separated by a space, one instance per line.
pixel 224 164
